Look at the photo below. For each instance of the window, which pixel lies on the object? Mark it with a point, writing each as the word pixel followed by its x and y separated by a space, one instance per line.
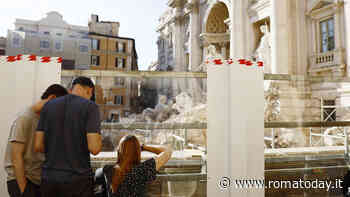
pixel 327 35
pixel 116 62
pixel 95 60
pixel 121 47
pixel 123 62
pixel 120 62
pixel 46 33
pixel 68 64
pixel 117 46
pixel 329 110
pixel 20 29
pixel 95 44
pixel 58 46
pixel 16 42
pixel 118 100
pixel 84 49
pixel 44 44
pixel 59 34
pixel 124 47
pixel 119 81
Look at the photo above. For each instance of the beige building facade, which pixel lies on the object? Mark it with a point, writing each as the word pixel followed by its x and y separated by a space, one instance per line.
pixel 116 96
pixel 51 36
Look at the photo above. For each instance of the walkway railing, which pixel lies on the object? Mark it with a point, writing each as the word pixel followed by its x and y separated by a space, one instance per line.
pixel 161 74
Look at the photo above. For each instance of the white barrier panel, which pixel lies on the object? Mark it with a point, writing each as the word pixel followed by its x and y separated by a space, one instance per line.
pixel 235 127
pixel 24 79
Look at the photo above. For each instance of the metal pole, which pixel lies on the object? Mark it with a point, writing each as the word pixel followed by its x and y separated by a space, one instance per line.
pixel 273 138
pixel 186 142
pixel 310 137
pixel 321 109
pixel 346 145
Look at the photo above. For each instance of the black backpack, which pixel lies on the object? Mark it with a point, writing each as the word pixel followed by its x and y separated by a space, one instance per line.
pixel 103 180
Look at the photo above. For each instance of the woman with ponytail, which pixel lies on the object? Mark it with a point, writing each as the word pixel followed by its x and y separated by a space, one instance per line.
pixel 130 176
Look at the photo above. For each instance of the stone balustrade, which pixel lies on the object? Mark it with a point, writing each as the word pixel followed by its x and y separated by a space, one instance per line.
pixel 327 59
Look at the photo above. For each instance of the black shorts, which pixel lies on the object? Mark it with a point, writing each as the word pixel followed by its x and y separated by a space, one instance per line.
pixel 77 188
pixel 31 189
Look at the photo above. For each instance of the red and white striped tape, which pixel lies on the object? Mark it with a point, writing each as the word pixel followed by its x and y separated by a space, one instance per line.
pixel 21 57
pixel 245 62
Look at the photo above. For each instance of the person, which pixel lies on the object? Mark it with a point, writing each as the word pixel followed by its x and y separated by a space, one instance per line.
pixel 263 53
pixel 68 131
pixel 129 175
pixel 22 163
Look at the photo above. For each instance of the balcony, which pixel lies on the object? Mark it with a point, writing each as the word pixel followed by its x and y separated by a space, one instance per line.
pixel 327 60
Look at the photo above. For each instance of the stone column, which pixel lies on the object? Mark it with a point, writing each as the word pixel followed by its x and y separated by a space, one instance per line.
pixel 337 28
pixel 195 50
pixel 302 58
pixel 223 50
pixel 345 87
pixel 179 59
pixel 238 21
pixel 301 38
pixel 347 32
pixel 242 33
pixel 279 37
pixel 338 34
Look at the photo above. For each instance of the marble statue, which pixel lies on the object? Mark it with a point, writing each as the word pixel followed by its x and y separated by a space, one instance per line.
pixel 272 104
pixel 263 52
pixel 211 54
pixel 162 112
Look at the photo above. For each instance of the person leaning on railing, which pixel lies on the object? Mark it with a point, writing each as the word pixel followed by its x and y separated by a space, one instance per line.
pixel 22 163
pixel 130 176
pixel 68 132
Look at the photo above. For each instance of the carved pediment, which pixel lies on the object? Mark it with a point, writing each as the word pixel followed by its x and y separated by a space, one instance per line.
pixel 259 9
pixel 318 4
pixel 54 18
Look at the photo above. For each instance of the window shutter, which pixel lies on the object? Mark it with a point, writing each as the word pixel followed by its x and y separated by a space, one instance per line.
pixel 124 62
pixel 124 47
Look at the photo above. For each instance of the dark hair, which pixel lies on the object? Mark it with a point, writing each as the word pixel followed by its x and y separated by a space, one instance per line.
pixel 56 90
pixel 86 82
pixel 83 81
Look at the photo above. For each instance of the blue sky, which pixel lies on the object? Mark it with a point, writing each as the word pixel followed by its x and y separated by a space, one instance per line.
pixel 138 18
